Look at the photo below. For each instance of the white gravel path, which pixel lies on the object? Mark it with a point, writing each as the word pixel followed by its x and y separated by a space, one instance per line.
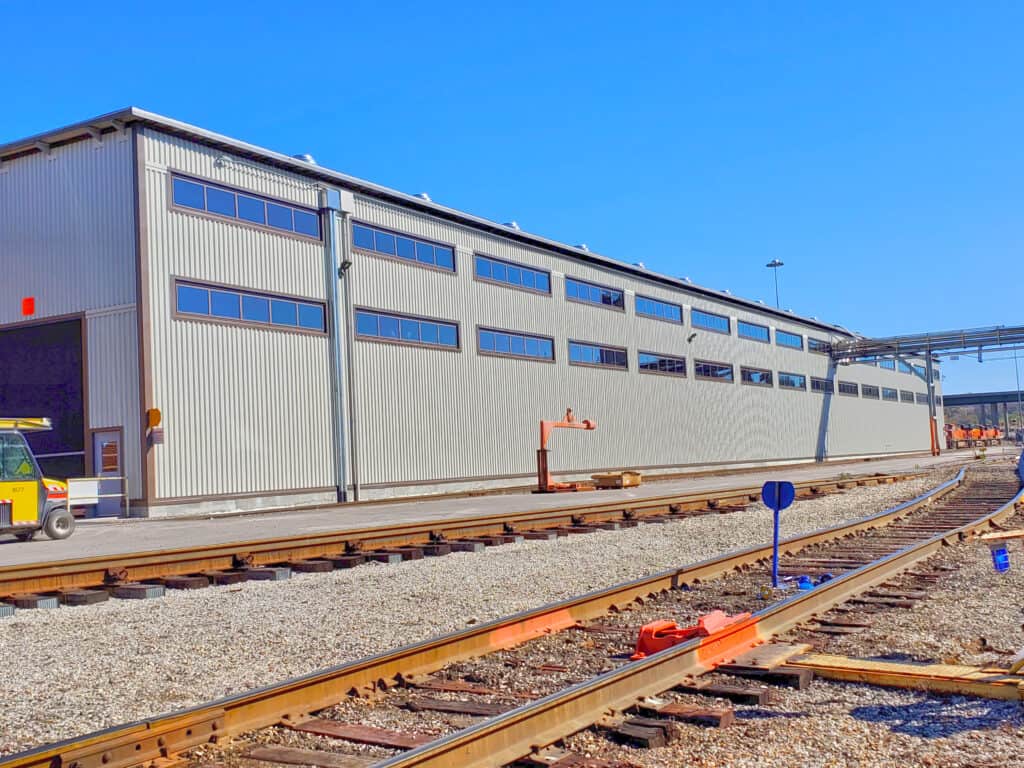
pixel 72 670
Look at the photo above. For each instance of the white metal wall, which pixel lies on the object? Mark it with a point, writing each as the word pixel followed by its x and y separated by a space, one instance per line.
pixel 429 414
pixel 67 229
pixel 113 376
pixel 246 409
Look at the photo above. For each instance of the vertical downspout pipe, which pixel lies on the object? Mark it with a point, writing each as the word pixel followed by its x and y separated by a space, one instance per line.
pixel 933 427
pixel 330 205
pixel 345 245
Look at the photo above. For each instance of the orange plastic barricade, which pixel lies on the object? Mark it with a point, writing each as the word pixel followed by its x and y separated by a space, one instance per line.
pixel 664 633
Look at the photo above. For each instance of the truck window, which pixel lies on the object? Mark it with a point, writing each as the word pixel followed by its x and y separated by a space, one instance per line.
pixel 16 462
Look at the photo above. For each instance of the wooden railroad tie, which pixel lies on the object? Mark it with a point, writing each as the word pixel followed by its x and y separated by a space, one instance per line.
pixel 292 756
pixel 363 734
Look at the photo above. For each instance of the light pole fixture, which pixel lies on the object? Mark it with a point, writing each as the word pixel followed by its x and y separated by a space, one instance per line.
pixel 774 265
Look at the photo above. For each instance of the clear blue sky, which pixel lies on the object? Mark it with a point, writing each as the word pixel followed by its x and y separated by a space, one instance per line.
pixel 876 148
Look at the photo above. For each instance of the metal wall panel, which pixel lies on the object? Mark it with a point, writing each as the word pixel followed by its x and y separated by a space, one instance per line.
pixel 67 229
pixel 426 414
pixel 113 376
pixel 246 409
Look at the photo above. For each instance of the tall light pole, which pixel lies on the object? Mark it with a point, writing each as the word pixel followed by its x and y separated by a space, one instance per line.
pixel 1016 370
pixel 774 265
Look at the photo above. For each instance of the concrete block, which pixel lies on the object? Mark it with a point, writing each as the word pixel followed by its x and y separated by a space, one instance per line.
pixel 186 582
pixel 76 597
pixel 388 558
pixel 272 573
pixel 138 591
pixel 312 566
pixel 347 561
pixel 467 546
pixel 6 610
pixel 35 601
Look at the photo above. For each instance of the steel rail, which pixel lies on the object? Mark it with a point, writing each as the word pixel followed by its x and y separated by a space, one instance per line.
pixel 80 573
pixel 517 733
pixel 138 743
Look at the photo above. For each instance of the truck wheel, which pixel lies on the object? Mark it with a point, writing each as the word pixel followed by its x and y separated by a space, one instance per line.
pixel 59 524
pixel 26 535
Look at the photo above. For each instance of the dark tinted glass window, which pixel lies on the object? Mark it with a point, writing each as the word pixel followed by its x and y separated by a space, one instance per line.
pixel 251 209
pixel 256 309
pixel 704 369
pixel 889 365
pixel 225 304
pixel 312 316
pixel 752 330
pixel 648 362
pixel 757 376
pixel 516 275
pixel 868 390
pixel 193 300
pixel 787 339
pixel 189 194
pixel 848 388
pixel 515 344
pixel 593 294
pixel 306 223
pixel 582 353
pixel 792 380
pixel 709 321
pixel 890 394
pixel 817 345
pixel 825 386
pixel 403 246
pixel 220 201
pixel 411 330
pixel 662 310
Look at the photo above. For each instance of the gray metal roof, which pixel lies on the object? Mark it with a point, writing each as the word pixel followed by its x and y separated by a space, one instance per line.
pixel 122 118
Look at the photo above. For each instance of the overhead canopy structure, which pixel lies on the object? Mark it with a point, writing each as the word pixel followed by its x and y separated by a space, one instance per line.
pixel 981 398
pixel 921 344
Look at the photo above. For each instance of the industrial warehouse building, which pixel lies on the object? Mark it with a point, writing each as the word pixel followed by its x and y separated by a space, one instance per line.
pixel 306 335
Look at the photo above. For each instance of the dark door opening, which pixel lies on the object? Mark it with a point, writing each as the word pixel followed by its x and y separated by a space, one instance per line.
pixel 42 373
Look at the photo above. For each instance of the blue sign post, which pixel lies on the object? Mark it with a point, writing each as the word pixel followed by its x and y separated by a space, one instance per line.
pixel 777 494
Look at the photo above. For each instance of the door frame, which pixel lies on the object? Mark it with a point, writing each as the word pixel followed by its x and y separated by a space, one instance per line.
pixel 91 468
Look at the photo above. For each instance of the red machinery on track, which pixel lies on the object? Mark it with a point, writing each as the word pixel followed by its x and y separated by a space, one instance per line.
pixel 544 482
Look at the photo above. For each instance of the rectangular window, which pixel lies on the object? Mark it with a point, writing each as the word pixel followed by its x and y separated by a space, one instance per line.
pixel 494 270
pixel 922 398
pixel 578 290
pixel 920 371
pixel 787 339
pixel 582 353
pixel 410 249
pixel 650 362
pixel 818 345
pixel 825 386
pixel 756 376
pixel 890 394
pixel 492 341
pixel 705 369
pixel 752 331
pixel 249 308
pixel 906 396
pixel 709 321
pixel 792 380
pixel 388 326
pixel 228 203
pixel 660 310
pixel 889 365
pixel 869 390
pixel 866 361
pixel 849 388
pixel 905 367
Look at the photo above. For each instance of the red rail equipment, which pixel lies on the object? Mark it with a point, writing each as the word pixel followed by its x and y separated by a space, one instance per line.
pixel 544 482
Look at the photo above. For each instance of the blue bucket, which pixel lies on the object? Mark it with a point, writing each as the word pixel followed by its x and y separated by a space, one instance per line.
pixel 804 582
pixel 1000 558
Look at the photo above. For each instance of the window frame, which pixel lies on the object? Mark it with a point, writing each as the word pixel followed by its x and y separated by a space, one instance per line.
pixel 730 366
pixel 742 335
pixel 839 388
pixel 208 285
pixel 491 281
pixel 771 376
pixel 407 236
pixel 829 387
pixel 800 336
pixel 601 366
pixel 588 303
pixel 638 313
pixel 887 399
pixel 173 173
pixel 867 389
pixel 904 399
pixel 405 342
pixel 921 398
pixel 526 334
pixel 647 371
pixel 802 388
pixel 811 339
pixel 727 318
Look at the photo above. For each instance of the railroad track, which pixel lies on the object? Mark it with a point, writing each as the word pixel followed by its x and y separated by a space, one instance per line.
pixel 903 535
pixel 146 574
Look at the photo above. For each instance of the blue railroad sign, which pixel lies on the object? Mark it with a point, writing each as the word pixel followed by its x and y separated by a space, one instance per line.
pixel 778 494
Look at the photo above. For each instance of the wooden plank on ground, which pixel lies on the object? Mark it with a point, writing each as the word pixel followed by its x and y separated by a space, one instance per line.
pixel 771 655
pixel 478 708
pixel 292 756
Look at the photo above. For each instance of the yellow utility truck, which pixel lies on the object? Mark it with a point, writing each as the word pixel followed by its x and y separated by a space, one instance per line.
pixel 29 502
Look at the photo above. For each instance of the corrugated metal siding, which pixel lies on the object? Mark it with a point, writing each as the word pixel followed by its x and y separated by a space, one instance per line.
pixel 246 410
pixel 113 375
pixel 67 229
pixel 428 414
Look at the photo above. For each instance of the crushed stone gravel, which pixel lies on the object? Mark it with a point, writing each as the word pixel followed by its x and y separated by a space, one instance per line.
pixel 97 666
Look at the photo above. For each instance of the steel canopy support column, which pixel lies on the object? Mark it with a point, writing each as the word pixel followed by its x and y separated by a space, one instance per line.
pixel 933 427
pixel 330 204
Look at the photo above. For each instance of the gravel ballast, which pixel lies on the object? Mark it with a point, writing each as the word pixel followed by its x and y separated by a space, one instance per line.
pixel 70 671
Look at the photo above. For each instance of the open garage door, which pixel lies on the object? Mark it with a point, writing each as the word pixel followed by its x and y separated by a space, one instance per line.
pixel 42 374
